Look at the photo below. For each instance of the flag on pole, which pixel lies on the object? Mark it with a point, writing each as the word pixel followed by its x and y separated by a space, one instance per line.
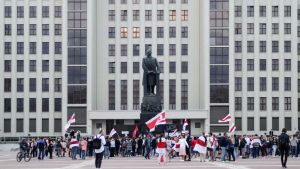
pixel 185 123
pixel 225 119
pixel 156 120
pixel 112 132
pixel 174 133
pixel 135 132
pixel 70 121
pixel 67 125
pixel 232 128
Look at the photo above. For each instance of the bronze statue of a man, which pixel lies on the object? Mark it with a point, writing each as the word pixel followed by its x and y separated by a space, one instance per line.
pixel 151 73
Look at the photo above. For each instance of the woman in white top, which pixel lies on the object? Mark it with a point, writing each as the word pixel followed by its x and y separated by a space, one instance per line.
pixel 183 144
pixel 99 152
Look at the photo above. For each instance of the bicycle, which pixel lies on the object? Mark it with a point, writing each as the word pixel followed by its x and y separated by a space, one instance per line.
pixel 25 155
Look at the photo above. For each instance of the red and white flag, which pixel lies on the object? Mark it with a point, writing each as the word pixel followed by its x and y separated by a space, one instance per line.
pixel 185 123
pixel 156 120
pixel 174 133
pixel 72 119
pixel 232 128
pixel 112 132
pixel 225 119
pixel 135 132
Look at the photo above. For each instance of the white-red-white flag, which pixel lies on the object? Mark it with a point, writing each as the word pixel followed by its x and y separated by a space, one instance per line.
pixel 174 133
pixel 72 119
pixel 135 132
pixel 185 123
pixel 227 118
pixel 112 132
pixel 156 120
pixel 232 128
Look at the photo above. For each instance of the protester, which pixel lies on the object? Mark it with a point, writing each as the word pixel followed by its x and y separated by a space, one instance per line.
pixel 98 145
pixel 83 145
pixel 161 149
pixel 183 144
pixel 74 145
pixel 284 142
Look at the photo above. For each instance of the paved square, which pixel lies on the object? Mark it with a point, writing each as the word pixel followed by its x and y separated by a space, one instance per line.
pixel 8 161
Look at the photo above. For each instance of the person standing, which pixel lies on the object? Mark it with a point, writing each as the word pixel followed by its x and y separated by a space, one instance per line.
pixel 182 147
pixel 187 148
pixel 161 149
pixel 98 145
pixel 294 143
pixel 41 147
pixel 50 148
pixel 284 147
pixel 223 144
pixel 83 148
pixel 147 147
pixel 74 145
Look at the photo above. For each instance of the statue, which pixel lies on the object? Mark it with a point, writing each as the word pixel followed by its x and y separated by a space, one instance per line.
pixel 151 74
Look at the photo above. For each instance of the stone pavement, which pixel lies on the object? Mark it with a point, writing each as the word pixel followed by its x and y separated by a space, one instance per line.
pixel 8 161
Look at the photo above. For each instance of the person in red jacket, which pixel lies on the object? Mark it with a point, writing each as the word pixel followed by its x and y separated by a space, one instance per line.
pixel 161 149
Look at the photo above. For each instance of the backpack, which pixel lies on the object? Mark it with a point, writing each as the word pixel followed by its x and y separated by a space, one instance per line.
pixel 282 142
pixel 256 144
pixel 97 143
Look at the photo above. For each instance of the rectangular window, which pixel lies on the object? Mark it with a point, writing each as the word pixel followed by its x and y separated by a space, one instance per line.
pixel 45 104
pixel 275 10
pixel 45 125
pixel 7 105
pixel 238 28
pixel 7 84
pixel 250 122
pixel 250 11
pixel 160 32
pixel 32 29
pixel 238 103
pixel 250 103
pixel 262 28
pixel 262 46
pixel 287 11
pixel 136 15
pixel 238 64
pixel 172 32
pixel 172 67
pixel 32 84
pixel 19 125
pixel 160 15
pixel 58 48
pixel 238 11
pixel 161 66
pixel 20 11
pixel 111 67
pixel 148 15
pixel 57 11
pixel 250 46
pixel 136 49
pixel 275 46
pixel 7 48
pixel 123 67
pixel 20 65
pixel 57 105
pixel 7 66
pixel 238 47
pixel 262 11
pixel 263 103
pixel 57 65
pixel 275 64
pixel 20 47
pixel 172 15
pixel 287 65
pixel 57 125
pixel 160 49
pixel 136 32
pixel 184 94
pixel 20 85
pixel 250 28
pixel 184 32
pixel 275 103
pixel 7 125
pixel 263 84
pixel 287 103
pixel 287 84
pixel 136 67
pixel 58 29
pixel 275 28
pixel 45 29
pixel 184 67
pixel 45 47
pixel 275 83
pixel 172 49
pixel 123 94
pixel 262 64
pixel 136 95
pixel 111 15
pixel 45 65
pixel 20 29
pixel 45 11
pixel 7 29
pixel 123 15
pixel 172 94
pixel 263 124
pixel 57 84
pixel 111 95
pixel 275 123
pixel 184 15
pixel 45 84
pixel 7 11
pixel 148 32
pixel 20 105
pixel 184 49
pixel 250 84
pixel 124 32
pixel 238 84
pixel 112 50
pixel 287 28
pixel 32 105
pixel 238 123
pixel 288 123
pixel 123 50
pixel 32 48
pixel 287 46
pixel 32 125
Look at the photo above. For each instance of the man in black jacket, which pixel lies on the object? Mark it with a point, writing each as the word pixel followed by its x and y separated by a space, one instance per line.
pixel 284 141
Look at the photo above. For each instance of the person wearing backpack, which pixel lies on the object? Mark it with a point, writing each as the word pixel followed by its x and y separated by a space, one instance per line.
pixel 98 147
pixel 256 144
pixel 284 147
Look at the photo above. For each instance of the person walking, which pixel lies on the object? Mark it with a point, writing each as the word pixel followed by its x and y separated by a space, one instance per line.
pixel 294 142
pixel 187 149
pixel 256 143
pixel 284 147
pixel 74 145
pixel 182 146
pixel 98 145
pixel 223 144
pixel 41 148
pixel 50 149
pixel 83 148
pixel 161 149
pixel 147 147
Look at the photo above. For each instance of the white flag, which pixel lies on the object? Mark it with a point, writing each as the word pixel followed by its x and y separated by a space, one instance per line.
pixel 112 132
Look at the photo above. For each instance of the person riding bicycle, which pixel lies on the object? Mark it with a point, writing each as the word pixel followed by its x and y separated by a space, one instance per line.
pixel 24 146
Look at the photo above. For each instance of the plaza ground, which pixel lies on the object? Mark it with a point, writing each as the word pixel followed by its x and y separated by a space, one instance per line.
pixel 8 161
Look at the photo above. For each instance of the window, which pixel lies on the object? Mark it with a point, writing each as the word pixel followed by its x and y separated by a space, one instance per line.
pixel 45 29
pixel 123 50
pixel 238 103
pixel 20 29
pixel 262 11
pixel 136 15
pixel 20 65
pixel 160 1
pixel 32 125
pixel 123 67
pixel 7 47
pixel 160 49
pixel 250 28
pixel 275 83
pixel 287 103
pixel 184 32
pixel 123 94
pixel 20 47
pixel 45 104
pixel 32 65
pixel 238 84
pixel 250 46
pixel 148 15
pixel 263 84
pixel 287 46
pixel 58 49
pixel 172 67
pixel 172 32
pixel 111 67
pixel 184 15
pixel 45 65
pixel 45 11
pixel 172 15
pixel 262 64
pixel 148 1
pixel 287 11
pixel 124 32
pixel 136 95
pixel 238 64
pixel 262 28
pixel 32 84
pixel 287 65
pixel 287 84
pixel 184 67
pixel 135 1
pixel 7 66
pixel 45 125
pixel 275 11
pixel 111 1
pixel 111 95
pixel 19 125
pixel 172 1
pixel 32 29
pixel 275 48
pixel 275 103
pixel 20 12
pixel 57 11
pixel 32 105
pixel 160 15
pixel 275 64
pixel 45 47
pixel 111 50
pixel 136 67
pixel 57 105
pixel 7 105
pixel 111 15
pixel 7 11
pixel 250 103
pixel 57 85
pixel 288 123
pixel 262 46
pixel 238 28
pixel 172 94
pixel 57 29
pixel 160 32
pixel 32 47
pixel 263 103
pixel 57 65
pixel 161 66
pixel 184 94
pixel 275 123
pixel 123 15
pixel 172 49
pixel 7 29
pixel 275 28
pixel 45 84
pixel 20 85
pixel 250 64
pixel 250 83
pixel 184 49
pixel 7 85
pixel 250 122
pixel 287 28
pixel 136 49
pixel 238 11
pixel 263 124
pixel 148 32
pixel 250 11
pixel 20 105
pixel 136 32
pixel 111 32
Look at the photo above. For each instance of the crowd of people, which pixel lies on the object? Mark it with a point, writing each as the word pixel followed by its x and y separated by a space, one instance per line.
pixel 206 147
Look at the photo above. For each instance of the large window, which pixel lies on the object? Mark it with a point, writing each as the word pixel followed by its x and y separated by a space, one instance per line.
pixel 184 94
pixel 136 95
pixel 111 95
pixel 123 94
pixel 172 94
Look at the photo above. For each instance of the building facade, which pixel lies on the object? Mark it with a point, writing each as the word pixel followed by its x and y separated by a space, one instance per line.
pixel 217 57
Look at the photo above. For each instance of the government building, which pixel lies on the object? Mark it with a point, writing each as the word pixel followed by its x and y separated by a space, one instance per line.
pixel 60 57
